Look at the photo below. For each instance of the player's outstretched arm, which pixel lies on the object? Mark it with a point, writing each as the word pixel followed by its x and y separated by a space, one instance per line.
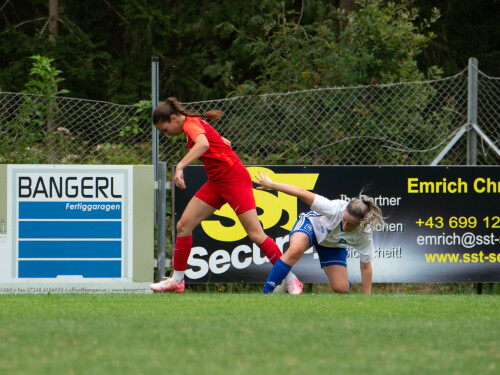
pixel 265 182
pixel 366 277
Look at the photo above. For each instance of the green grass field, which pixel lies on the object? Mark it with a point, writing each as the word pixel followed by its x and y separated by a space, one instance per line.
pixel 209 333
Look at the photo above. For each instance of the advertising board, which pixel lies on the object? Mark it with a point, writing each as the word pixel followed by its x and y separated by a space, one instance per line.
pixel 442 224
pixel 76 224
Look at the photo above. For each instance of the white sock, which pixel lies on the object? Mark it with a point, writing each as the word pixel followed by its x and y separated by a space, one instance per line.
pixel 178 276
pixel 290 277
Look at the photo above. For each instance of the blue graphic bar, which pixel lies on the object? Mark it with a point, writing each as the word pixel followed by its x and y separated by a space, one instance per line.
pixel 54 268
pixel 70 249
pixel 70 229
pixel 70 210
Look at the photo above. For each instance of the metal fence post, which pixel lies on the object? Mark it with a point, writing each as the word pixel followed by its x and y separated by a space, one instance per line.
pixel 154 133
pixel 472 112
pixel 162 219
pixel 472 119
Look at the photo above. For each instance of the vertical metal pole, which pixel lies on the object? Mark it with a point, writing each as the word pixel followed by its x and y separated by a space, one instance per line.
pixel 162 219
pixel 154 133
pixel 472 112
pixel 472 119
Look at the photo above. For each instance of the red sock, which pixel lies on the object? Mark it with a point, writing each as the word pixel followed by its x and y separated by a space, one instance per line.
pixel 270 250
pixel 182 250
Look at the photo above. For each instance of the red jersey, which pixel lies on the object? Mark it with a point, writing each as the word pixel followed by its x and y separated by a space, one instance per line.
pixel 219 157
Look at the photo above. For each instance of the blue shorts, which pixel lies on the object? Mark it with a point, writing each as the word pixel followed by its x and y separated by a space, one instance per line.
pixel 328 256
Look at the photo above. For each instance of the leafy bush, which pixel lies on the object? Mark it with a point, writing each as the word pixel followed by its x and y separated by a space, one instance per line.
pixel 379 42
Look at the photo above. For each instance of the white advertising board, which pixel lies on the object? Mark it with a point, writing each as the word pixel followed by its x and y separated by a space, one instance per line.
pixel 69 224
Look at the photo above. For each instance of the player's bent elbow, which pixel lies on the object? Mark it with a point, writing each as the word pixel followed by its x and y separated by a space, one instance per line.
pixel 204 146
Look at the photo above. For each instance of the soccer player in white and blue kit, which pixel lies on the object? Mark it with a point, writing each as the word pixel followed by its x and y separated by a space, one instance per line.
pixel 330 227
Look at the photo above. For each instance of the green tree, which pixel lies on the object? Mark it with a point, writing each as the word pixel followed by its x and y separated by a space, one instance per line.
pixel 105 47
pixel 40 108
pixel 377 43
pixel 35 118
pixel 466 29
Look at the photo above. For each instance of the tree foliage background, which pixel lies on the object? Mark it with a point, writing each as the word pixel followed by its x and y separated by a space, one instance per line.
pixel 214 49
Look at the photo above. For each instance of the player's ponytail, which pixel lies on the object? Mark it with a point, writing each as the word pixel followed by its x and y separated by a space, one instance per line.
pixel 171 106
pixel 213 114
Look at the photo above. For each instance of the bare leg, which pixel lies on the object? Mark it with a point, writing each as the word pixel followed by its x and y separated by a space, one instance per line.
pixel 338 278
pixel 250 221
pixel 299 243
pixel 195 212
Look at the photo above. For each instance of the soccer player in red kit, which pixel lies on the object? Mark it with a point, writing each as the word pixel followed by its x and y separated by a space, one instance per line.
pixel 228 182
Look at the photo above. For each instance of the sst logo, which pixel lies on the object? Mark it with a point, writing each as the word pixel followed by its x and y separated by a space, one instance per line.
pixel 271 204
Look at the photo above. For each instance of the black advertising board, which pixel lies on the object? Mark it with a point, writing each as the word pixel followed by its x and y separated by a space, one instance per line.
pixel 443 224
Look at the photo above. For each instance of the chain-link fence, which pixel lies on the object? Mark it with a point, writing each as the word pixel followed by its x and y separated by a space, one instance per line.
pixel 396 124
pixel 407 123
pixel 488 114
pixel 73 131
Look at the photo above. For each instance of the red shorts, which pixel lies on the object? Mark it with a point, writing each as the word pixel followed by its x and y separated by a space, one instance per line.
pixel 234 187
